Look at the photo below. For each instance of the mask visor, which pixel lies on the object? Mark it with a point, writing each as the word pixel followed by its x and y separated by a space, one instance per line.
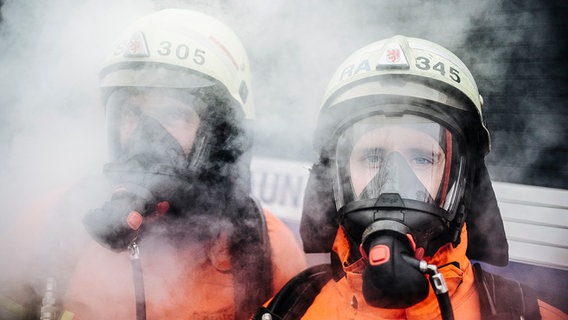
pixel 408 155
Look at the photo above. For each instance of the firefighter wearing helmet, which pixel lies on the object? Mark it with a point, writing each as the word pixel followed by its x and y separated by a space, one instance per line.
pixel 401 197
pixel 178 235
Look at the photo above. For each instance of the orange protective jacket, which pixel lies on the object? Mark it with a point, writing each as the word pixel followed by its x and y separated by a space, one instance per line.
pixel 194 283
pixel 178 285
pixel 344 299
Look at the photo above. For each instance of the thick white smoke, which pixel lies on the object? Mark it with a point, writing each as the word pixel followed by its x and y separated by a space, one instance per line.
pixel 51 119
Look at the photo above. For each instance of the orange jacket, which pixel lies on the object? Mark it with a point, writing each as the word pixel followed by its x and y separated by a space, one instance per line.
pixel 178 285
pixel 344 299
pixel 194 283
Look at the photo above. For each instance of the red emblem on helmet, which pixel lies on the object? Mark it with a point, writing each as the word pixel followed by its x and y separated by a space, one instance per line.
pixel 393 55
pixel 134 46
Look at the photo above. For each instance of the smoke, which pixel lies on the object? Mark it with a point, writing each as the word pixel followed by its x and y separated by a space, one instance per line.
pixel 51 119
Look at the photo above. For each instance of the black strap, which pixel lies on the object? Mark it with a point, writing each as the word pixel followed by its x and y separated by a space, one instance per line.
pixel 252 249
pixel 292 301
pixel 504 299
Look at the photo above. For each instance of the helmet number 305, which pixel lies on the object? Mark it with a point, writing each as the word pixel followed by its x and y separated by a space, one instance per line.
pixel 424 63
pixel 182 52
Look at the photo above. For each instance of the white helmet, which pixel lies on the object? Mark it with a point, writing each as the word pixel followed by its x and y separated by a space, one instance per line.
pixel 436 73
pixel 202 53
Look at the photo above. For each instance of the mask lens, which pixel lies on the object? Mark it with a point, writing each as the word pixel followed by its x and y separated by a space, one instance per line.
pixel 174 110
pixel 409 155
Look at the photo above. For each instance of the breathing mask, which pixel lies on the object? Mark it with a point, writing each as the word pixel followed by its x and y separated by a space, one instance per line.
pixel 396 186
pixel 155 152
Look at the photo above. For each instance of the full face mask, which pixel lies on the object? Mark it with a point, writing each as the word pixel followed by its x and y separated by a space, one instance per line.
pixel 154 150
pixel 397 188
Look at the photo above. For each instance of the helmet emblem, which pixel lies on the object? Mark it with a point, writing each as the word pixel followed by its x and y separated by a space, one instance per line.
pixel 393 55
pixel 136 46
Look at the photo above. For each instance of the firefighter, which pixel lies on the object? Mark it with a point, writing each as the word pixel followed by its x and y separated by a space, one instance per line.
pixel 178 236
pixel 401 197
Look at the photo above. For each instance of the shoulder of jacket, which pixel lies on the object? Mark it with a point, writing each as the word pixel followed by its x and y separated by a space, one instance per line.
pixel 292 301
